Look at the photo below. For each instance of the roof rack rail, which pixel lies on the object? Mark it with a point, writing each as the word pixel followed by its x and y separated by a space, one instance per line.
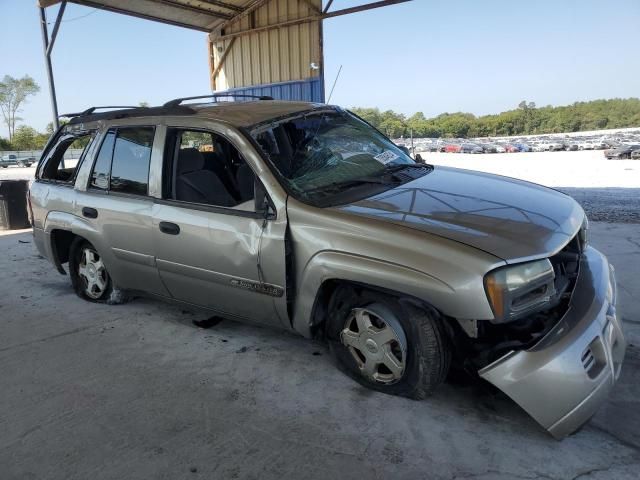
pixel 177 101
pixel 90 110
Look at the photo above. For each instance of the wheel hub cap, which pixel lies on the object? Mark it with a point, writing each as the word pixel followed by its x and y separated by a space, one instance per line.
pixel 92 272
pixel 376 341
pixel 371 345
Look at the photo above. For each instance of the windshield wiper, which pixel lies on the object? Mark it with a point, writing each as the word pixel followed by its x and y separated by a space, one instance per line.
pixel 350 183
pixel 402 166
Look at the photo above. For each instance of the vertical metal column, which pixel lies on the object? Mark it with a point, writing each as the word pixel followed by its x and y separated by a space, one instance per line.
pixel 47 56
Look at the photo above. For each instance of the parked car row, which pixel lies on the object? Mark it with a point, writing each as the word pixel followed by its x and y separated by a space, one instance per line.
pixel 619 145
pixel 623 152
pixel 12 159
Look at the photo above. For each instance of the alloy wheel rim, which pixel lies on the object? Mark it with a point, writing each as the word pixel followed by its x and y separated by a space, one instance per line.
pixel 373 341
pixel 93 273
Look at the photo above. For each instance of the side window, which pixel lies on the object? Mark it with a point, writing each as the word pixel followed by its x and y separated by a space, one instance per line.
pixel 208 169
pixel 67 155
pixel 131 157
pixel 102 167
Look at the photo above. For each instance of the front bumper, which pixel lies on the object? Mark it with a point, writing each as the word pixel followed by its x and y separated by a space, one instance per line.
pixel 566 376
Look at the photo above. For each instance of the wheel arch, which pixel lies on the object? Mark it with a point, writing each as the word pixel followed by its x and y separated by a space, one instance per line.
pixel 326 291
pixel 328 270
pixel 61 229
pixel 61 241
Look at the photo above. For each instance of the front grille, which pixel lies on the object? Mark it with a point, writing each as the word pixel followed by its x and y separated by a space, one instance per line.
pixel 594 358
pixel 588 360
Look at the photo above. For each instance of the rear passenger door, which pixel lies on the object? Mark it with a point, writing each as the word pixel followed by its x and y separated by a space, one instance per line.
pixel 116 203
pixel 214 248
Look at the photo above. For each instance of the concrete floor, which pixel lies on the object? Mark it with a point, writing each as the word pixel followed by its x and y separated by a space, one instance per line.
pixel 137 392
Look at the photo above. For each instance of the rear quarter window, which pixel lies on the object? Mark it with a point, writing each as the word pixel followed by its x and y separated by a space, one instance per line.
pixel 62 161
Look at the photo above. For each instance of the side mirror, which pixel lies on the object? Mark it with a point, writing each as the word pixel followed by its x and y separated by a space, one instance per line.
pixel 261 200
pixel 404 149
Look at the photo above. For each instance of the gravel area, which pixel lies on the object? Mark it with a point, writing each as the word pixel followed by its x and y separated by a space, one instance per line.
pixel 612 205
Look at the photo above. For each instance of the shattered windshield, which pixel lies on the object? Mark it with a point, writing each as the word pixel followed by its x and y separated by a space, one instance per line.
pixel 323 152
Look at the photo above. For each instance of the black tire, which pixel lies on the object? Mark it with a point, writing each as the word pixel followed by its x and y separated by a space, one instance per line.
pixel 21 164
pixel 110 294
pixel 428 351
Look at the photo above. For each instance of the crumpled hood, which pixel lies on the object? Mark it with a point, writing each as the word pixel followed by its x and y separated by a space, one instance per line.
pixel 511 219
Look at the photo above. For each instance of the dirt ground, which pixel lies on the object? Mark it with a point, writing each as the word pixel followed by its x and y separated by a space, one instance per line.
pixel 138 392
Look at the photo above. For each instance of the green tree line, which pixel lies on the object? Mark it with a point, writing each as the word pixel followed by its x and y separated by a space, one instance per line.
pixel 526 119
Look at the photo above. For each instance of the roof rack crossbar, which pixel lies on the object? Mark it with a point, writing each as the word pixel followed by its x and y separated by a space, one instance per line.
pixel 90 110
pixel 177 101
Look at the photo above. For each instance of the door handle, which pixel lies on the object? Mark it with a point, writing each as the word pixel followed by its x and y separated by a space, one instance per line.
pixel 169 228
pixel 89 212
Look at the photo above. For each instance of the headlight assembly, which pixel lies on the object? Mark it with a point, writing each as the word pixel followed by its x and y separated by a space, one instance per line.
pixel 519 290
pixel 583 234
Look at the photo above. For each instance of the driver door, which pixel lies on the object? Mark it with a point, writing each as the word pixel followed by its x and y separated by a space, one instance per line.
pixel 213 247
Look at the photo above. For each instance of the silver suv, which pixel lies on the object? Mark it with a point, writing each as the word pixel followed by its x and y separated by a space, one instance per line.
pixel 304 217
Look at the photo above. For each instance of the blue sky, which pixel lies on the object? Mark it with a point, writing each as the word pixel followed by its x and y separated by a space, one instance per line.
pixel 427 55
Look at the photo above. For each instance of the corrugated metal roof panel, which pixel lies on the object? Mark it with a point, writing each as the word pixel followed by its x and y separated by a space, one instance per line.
pixel 204 15
pixel 274 56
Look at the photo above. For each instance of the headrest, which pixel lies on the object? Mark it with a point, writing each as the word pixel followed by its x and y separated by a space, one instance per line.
pixel 190 160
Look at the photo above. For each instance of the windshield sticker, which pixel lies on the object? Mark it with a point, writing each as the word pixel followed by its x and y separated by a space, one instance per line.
pixel 386 157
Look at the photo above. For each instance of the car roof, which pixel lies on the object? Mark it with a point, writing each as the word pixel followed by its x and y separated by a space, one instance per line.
pixel 239 114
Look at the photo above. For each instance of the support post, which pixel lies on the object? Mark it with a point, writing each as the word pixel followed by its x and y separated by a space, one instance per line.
pixel 47 61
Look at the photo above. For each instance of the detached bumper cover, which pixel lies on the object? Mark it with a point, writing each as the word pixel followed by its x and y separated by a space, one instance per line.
pixel 565 377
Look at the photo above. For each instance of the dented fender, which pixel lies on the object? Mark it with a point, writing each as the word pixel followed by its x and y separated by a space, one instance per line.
pixel 331 265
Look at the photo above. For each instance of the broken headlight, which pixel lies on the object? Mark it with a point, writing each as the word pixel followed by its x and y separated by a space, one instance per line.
pixel 519 290
pixel 583 234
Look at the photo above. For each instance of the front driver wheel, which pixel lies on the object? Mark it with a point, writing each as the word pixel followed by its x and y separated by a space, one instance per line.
pixel 390 346
pixel 89 276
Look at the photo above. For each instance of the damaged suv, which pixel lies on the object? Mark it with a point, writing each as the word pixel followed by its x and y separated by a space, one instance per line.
pixel 304 217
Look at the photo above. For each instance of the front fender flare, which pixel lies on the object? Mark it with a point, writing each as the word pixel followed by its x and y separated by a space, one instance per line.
pixel 331 265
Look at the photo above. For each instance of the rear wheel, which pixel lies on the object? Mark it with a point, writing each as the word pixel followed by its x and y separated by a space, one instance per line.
pixel 89 276
pixel 387 345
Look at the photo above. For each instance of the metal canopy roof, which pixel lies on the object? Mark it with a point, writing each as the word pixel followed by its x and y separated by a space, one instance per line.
pixel 203 15
pixel 210 16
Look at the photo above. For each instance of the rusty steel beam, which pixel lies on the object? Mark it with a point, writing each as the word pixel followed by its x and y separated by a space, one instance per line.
pixel 218 67
pixel 228 6
pixel 307 19
pixel 362 8
pixel 194 9
pixel 47 3
pixel 252 7
pixel 288 23
pixel 56 27
pixel 100 6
